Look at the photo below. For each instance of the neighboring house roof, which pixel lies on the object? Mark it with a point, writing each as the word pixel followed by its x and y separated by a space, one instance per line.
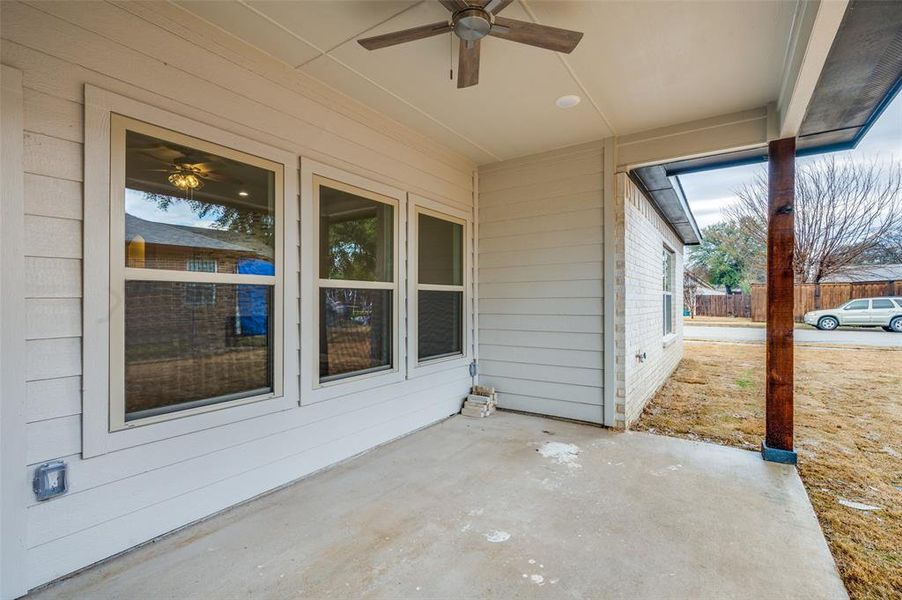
pixel 166 234
pixel 691 277
pixel 703 288
pixel 859 273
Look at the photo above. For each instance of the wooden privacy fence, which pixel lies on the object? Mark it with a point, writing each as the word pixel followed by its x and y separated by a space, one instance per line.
pixel 734 305
pixel 815 296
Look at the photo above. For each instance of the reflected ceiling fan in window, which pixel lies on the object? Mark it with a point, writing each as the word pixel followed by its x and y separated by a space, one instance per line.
pixel 472 21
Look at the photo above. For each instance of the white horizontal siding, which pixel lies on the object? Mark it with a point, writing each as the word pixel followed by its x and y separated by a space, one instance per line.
pixel 52 398
pixel 565 255
pixel 562 357
pixel 541 282
pixel 57 357
pixel 52 318
pixel 158 54
pixel 87 507
pixel 548 340
pixel 95 543
pixel 52 197
pixel 547 323
pixel 52 237
pixel 558 407
pixel 52 277
pixel 573 271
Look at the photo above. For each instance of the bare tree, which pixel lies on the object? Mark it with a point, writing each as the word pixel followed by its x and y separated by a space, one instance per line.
pixel 843 212
pixel 690 295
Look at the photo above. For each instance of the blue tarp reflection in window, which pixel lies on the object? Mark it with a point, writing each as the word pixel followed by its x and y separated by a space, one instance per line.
pixel 253 300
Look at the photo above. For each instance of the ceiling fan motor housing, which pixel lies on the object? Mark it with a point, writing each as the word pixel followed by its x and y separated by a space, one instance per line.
pixel 472 24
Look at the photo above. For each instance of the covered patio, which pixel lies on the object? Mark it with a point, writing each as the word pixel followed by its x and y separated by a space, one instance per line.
pixel 197 190
pixel 512 505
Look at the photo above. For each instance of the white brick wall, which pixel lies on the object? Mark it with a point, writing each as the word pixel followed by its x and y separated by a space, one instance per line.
pixel 640 300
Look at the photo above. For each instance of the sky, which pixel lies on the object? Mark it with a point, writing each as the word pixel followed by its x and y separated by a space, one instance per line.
pixel 708 192
pixel 178 213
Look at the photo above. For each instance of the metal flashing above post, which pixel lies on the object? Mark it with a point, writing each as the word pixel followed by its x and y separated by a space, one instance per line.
pixel 780 300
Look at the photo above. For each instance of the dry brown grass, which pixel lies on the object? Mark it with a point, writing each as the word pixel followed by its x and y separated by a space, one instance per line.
pixel 848 435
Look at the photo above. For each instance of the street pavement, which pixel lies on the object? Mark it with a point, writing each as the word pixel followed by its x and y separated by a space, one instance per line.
pixel 851 337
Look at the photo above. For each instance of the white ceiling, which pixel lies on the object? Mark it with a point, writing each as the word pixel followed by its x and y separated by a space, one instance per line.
pixel 640 65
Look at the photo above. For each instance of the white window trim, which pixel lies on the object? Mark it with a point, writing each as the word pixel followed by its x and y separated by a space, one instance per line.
pixel 100 281
pixel 312 174
pixel 417 205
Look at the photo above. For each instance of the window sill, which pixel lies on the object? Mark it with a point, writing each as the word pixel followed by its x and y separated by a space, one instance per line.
pixel 668 340
pixel 335 388
pixel 435 365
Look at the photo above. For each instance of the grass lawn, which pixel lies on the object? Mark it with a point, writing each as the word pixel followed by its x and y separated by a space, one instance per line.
pixel 848 432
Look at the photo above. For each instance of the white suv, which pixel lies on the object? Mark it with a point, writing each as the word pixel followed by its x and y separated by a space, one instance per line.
pixel 861 312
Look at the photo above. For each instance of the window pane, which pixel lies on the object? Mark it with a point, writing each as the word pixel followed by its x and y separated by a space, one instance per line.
pixel 440 324
pixel 355 331
pixel 440 258
pixel 355 237
pixel 184 205
pixel 881 304
pixel 858 305
pixel 668 271
pixel 190 344
pixel 668 313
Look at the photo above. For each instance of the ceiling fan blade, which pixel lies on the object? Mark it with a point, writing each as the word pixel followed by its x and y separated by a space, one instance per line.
pixel 220 177
pixel 496 6
pixel 163 161
pixel 468 64
pixel 406 35
pixel 455 5
pixel 543 36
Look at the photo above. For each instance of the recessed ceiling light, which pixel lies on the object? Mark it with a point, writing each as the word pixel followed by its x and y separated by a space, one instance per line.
pixel 567 101
pixel 242 194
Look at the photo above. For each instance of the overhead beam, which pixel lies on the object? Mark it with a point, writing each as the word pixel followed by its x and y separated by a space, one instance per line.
pixel 813 30
pixel 715 135
pixel 777 446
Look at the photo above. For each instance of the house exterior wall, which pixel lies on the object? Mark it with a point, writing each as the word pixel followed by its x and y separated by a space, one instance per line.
pixel 145 52
pixel 642 236
pixel 541 282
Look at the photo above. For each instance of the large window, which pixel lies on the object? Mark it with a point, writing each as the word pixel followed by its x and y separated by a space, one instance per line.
pixel 357 281
pixel 439 286
pixel 668 277
pixel 195 260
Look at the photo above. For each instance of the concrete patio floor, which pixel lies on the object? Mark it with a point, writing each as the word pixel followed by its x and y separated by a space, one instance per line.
pixel 486 508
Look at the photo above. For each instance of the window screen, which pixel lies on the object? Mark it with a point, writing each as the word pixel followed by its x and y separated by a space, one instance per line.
pixel 440 290
pixel 202 333
pixel 356 280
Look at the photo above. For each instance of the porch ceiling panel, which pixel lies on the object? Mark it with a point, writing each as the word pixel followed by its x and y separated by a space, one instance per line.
pixel 638 66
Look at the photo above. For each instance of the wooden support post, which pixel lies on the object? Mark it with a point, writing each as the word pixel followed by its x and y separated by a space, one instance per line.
pixel 777 445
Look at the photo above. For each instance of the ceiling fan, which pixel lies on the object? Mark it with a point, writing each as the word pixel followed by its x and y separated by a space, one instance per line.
pixel 473 20
pixel 184 170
